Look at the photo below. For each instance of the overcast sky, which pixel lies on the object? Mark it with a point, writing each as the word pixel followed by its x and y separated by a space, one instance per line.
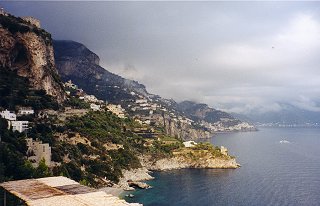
pixel 235 56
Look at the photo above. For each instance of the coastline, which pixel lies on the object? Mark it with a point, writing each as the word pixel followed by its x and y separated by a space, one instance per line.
pixel 136 178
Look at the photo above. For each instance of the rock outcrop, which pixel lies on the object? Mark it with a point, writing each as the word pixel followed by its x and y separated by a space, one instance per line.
pixel 134 178
pixel 179 129
pixel 28 50
pixel 180 162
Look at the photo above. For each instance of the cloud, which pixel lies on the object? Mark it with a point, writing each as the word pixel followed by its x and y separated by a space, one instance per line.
pixel 236 56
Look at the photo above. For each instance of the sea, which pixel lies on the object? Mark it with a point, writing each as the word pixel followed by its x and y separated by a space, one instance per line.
pixel 279 166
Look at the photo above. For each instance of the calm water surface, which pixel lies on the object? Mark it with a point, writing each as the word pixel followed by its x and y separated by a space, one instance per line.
pixel 271 174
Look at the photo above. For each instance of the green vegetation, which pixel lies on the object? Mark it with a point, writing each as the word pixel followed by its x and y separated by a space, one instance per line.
pixel 99 128
pixel 205 146
pixel 94 148
pixel 94 159
pixel 13 164
pixel 15 90
pixel 76 103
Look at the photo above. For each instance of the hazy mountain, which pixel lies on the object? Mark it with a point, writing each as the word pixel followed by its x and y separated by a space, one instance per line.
pixel 200 111
pixel 77 63
pixel 289 114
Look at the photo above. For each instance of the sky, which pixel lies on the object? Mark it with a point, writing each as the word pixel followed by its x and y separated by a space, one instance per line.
pixel 236 56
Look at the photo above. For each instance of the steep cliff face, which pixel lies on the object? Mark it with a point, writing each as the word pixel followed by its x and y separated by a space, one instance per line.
pixel 77 63
pixel 180 129
pixel 27 49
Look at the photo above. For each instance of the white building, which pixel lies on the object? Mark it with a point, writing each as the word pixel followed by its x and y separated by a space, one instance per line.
pixel 25 111
pixel 3 12
pixel 38 151
pixel 90 98
pixel 189 143
pixel 11 116
pixel 19 126
pixel 95 107
pixel 141 101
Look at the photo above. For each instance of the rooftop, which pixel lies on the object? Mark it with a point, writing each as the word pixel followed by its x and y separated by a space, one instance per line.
pixel 61 191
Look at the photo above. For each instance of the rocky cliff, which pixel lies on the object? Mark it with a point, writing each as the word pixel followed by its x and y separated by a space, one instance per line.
pixel 77 63
pixel 180 129
pixel 199 111
pixel 27 49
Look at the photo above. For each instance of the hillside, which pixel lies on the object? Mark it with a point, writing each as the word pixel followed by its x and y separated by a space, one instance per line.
pixel 203 112
pixel 50 130
pixel 77 63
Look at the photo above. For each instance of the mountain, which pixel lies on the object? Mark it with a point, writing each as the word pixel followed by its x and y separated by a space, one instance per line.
pixel 27 49
pixel 211 118
pixel 77 63
pixel 288 115
pixel 198 111
pixel 68 137
pixel 186 120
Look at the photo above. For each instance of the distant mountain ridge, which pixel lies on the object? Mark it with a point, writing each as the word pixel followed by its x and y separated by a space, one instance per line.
pixel 287 115
pixel 77 63
pixel 202 111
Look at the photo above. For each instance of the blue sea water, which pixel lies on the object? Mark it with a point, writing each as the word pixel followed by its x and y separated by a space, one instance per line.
pixel 272 173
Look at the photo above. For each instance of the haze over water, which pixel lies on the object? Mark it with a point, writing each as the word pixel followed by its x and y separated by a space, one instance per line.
pixel 272 173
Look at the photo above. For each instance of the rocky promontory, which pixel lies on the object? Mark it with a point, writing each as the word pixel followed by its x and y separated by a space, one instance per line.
pixel 181 163
pixel 204 156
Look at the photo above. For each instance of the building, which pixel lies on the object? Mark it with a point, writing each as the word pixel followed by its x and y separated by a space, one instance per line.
pixel 141 101
pixel 25 111
pixel 90 98
pixel 11 116
pixel 189 143
pixel 3 12
pixel 19 126
pixel 38 151
pixel 116 109
pixel 53 191
pixel 95 107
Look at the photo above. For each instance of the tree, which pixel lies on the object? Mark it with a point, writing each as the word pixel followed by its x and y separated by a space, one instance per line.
pixel 42 170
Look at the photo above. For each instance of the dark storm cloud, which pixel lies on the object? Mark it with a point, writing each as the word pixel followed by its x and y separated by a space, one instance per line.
pixel 233 55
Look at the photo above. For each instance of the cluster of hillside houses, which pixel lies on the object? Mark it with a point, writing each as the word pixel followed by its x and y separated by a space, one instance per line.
pixel 13 123
pixel 36 149
pixel 95 103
